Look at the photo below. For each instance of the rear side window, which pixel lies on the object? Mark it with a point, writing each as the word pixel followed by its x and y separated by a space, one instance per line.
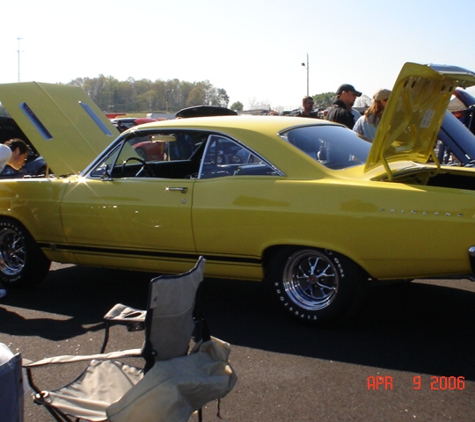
pixel 225 157
pixel 335 147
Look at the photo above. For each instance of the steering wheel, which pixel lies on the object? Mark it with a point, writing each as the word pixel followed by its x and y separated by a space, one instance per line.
pixel 145 169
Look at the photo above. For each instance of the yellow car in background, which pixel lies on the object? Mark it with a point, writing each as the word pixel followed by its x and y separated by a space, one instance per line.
pixel 304 204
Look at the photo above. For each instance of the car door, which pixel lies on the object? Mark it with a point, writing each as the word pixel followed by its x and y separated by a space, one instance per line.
pixel 128 215
pixel 233 203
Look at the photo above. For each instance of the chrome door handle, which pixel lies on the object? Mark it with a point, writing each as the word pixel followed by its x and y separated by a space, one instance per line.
pixel 182 190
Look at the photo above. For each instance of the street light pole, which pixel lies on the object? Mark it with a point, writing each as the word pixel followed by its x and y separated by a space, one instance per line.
pixel 308 78
pixel 19 51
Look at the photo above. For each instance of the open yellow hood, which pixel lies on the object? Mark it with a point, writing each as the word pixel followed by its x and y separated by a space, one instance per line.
pixel 414 113
pixel 65 126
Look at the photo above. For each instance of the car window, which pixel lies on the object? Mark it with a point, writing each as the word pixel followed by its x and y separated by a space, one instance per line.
pixel 150 147
pixel 153 154
pixel 176 154
pixel 335 147
pixel 124 160
pixel 225 157
pixel 104 168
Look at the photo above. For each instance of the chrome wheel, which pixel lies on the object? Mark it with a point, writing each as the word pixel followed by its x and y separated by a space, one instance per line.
pixel 314 285
pixel 22 262
pixel 310 279
pixel 12 252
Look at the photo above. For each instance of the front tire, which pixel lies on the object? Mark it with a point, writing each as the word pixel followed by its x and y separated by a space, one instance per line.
pixel 318 286
pixel 22 263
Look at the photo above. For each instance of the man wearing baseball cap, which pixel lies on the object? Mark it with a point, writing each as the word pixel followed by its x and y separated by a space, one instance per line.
pixel 340 110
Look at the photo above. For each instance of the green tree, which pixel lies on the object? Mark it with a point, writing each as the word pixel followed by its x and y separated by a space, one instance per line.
pixel 195 97
pixel 141 95
pixel 95 88
pixel 78 82
pixel 237 106
pixel 324 100
pixel 223 98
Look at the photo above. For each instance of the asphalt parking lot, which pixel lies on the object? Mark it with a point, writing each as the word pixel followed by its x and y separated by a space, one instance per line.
pixel 399 359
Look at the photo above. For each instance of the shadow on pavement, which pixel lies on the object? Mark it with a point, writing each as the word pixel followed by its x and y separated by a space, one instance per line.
pixel 415 327
pixel 77 296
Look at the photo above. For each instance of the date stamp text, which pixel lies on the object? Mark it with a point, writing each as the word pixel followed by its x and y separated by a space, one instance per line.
pixel 386 382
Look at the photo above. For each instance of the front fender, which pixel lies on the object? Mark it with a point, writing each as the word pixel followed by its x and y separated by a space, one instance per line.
pixel 35 203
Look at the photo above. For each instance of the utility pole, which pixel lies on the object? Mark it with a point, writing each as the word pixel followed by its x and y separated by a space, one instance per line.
pixel 19 51
pixel 308 81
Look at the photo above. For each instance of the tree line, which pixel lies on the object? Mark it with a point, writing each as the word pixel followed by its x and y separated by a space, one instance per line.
pixel 325 100
pixel 144 95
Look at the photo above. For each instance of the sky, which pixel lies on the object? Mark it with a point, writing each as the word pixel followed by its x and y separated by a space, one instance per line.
pixel 254 49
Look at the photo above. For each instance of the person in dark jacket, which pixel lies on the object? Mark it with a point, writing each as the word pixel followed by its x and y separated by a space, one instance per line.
pixel 307 108
pixel 340 111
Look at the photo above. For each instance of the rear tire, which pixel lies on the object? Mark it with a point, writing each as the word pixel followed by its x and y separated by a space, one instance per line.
pixel 317 286
pixel 22 263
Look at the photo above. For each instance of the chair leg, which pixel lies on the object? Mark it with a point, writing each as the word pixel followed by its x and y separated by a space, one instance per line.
pixel 59 417
pixel 106 337
pixel 38 399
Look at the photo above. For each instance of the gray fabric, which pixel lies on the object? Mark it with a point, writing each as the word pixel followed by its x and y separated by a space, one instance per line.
pixel 172 390
pixel 132 353
pixel 172 301
pixel 102 383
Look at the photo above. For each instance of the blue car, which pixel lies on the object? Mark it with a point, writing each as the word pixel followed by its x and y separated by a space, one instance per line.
pixel 456 145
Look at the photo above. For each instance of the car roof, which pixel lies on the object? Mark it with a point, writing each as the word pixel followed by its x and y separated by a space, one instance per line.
pixel 266 124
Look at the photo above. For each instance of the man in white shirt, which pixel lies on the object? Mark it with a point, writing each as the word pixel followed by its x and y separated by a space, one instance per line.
pixel 5 155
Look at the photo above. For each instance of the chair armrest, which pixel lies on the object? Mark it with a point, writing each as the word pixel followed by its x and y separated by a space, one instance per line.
pixel 126 315
pixel 123 313
pixel 133 319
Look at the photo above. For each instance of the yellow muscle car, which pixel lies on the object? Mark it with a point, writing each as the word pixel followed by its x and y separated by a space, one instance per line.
pixel 304 204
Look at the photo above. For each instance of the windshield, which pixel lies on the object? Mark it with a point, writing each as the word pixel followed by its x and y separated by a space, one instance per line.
pixel 335 147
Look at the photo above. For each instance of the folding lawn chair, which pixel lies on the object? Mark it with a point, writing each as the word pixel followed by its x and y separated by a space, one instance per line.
pixel 11 386
pixel 171 386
